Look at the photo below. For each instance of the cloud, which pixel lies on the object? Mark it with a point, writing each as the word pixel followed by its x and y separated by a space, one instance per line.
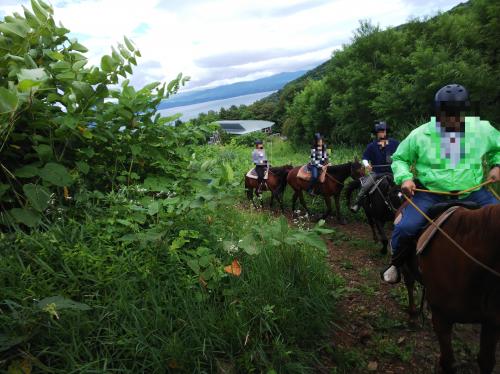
pixel 217 41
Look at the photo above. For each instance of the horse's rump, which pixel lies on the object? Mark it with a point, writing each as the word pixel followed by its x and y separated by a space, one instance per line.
pixel 305 174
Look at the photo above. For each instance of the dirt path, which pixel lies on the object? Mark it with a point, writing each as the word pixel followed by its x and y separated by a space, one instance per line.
pixel 371 331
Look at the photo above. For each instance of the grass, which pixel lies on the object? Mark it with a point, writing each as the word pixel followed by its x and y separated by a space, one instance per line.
pixel 149 311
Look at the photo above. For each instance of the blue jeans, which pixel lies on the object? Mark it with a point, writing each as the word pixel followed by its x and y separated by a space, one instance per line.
pixel 314 173
pixel 412 221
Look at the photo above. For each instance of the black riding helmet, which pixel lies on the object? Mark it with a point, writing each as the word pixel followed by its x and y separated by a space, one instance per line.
pixel 380 126
pixel 452 99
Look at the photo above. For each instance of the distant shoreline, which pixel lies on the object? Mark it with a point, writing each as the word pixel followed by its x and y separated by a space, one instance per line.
pixel 193 110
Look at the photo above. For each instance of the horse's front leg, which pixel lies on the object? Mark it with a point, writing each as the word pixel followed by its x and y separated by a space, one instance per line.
pixel 250 196
pixel 303 202
pixel 382 236
pixel 328 203
pixel 372 226
pixel 340 219
pixel 490 335
pixel 272 200
pixel 409 280
pixel 443 328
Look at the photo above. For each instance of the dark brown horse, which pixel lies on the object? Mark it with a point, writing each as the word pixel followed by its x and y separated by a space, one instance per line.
pixel 457 289
pixel 334 182
pixel 460 291
pixel 276 183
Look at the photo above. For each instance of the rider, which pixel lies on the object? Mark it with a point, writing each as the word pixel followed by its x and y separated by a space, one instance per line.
pixel 376 159
pixel 447 155
pixel 319 158
pixel 260 161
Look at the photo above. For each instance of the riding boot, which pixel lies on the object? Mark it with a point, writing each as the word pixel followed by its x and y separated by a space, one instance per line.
pixel 366 184
pixel 392 274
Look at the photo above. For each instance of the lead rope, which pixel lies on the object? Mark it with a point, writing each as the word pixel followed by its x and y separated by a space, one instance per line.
pixel 484 266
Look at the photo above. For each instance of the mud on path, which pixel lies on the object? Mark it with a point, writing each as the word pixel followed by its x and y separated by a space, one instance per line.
pixel 371 331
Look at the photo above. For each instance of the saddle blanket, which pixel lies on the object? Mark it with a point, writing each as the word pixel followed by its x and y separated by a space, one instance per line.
pixel 305 174
pixel 431 230
pixel 253 174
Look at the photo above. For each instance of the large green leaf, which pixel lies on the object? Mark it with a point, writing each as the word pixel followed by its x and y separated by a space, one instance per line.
pixel 27 216
pixel 40 12
pixel 8 100
pixel 30 78
pixel 3 189
pixel 62 303
pixel 78 47
pixel 37 195
pixel 107 64
pixel 44 152
pixel 18 27
pixel 56 174
pixel 27 171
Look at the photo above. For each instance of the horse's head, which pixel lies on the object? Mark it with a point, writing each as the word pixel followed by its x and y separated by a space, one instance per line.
pixel 357 169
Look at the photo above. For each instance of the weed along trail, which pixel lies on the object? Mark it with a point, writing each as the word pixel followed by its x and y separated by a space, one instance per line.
pixel 371 331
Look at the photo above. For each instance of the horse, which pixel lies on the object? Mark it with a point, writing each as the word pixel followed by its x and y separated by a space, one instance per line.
pixel 457 289
pixel 380 205
pixel 276 183
pixel 332 186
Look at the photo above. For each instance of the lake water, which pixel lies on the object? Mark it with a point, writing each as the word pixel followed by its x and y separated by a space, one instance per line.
pixel 192 111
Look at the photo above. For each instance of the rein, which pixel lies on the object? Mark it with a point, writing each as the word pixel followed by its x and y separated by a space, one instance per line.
pixel 472 258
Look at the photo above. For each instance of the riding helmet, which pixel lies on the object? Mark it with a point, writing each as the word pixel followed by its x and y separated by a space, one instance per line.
pixel 258 142
pixel 452 99
pixel 380 126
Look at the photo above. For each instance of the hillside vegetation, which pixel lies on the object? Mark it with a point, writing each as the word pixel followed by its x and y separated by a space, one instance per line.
pixel 122 245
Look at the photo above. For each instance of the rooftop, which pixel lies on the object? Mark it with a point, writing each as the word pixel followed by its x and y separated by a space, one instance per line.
pixel 240 127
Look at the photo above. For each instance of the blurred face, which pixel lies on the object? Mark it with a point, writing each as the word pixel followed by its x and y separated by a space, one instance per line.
pixel 452 122
pixel 260 146
pixel 381 134
pixel 320 143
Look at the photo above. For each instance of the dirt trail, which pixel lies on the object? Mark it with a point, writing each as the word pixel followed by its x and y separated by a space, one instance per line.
pixel 371 331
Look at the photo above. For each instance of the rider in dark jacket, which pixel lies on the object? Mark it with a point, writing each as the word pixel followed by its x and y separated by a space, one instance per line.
pixel 376 159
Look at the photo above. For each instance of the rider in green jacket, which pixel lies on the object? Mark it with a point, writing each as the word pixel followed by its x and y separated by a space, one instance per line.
pixel 446 154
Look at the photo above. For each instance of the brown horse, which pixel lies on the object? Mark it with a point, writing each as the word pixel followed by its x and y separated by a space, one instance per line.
pixel 332 186
pixel 457 289
pixel 276 183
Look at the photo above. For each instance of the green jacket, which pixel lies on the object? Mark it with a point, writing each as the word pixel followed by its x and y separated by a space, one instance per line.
pixel 422 148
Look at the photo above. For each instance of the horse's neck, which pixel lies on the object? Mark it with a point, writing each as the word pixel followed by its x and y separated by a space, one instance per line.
pixel 341 172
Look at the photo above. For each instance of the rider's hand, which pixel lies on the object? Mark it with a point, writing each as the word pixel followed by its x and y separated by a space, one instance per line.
pixel 369 168
pixel 495 174
pixel 408 187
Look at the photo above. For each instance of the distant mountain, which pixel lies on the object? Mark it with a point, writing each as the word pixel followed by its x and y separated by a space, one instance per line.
pixel 272 83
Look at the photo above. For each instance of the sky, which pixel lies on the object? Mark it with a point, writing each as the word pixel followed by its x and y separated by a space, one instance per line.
pixel 218 42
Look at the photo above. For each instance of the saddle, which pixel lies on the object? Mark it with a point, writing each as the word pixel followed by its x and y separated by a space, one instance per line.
pixel 253 174
pixel 442 211
pixel 305 174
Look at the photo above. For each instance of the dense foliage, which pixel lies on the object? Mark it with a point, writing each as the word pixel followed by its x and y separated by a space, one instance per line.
pixel 121 246
pixel 394 74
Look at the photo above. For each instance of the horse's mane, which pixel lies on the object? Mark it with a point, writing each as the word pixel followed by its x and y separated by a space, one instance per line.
pixel 339 168
pixel 280 170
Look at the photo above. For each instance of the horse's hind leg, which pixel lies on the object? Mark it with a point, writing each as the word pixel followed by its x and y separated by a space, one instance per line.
pixel 490 335
pixel 250 197
pixel 443 328
pixel 303 202
pixel 382 236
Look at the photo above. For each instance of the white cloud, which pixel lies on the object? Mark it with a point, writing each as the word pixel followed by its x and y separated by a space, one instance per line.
pixel 222 41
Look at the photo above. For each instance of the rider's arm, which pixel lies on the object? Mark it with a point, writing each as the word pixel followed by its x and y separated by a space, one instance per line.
pixel 493 154
pixel 403 158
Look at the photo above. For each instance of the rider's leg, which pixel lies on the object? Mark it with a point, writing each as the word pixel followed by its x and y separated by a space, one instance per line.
pixel 410 225
pixel 260 170
pixel 366 183
pixel 482 197
pixel 314 178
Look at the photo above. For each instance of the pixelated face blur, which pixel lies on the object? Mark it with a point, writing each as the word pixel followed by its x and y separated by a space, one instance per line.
pixel 320 143
pixel 453 121
pixel 381 134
